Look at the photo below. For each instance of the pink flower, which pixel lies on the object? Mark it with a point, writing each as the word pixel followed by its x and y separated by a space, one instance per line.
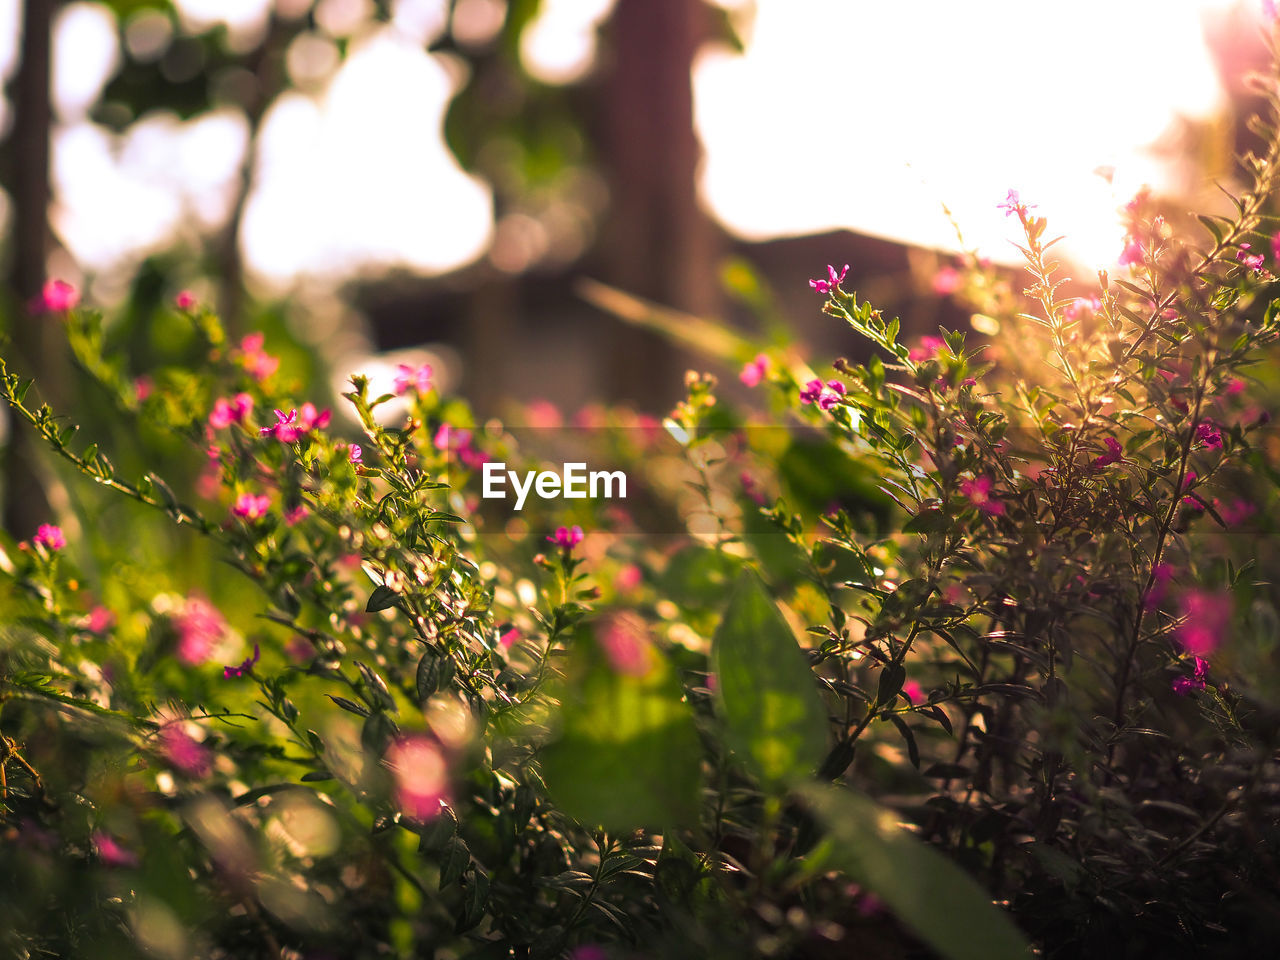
pixel 413 378
pixel 142 387
pixel 833 280
pixel 825 395
pixel 226 412
pixel 296 515
pixel 946 281
pixel 1252 261
pixel 251 506
pixel 628 578
pixel 1013 204
pixel 185 753
pixel 111 853
pixel 928 349
pixel 1131 254
pixel 978 491
pixel 49 537
pixel 1114 453
pixel 624 638
pixel 257 362
pixel 421 775
pixel 1237 512
pixel 566 537
pixel 100 620
pixel 509 638
pixel 245 667
pixel 285 429
pixel 1207 618
pixel 1081 306
pixel 56 296
pixel 355 454
pixel 200 626
pixel 185 300
pixel 913 691
pixel 755 371
pixel 310 419
pixel 1207 433
pixel 1185 685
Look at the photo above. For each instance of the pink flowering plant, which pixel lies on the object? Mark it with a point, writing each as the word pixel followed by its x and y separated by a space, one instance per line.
pixel 1007 592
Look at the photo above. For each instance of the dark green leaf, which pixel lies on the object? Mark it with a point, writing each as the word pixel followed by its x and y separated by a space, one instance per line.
pixel 774 717
pixel 932 896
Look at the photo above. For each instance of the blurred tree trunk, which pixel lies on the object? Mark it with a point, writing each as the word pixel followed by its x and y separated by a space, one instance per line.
pixel 658 243
pixel 35 343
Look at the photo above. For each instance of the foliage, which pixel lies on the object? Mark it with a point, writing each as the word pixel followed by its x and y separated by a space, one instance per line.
pixel 998 636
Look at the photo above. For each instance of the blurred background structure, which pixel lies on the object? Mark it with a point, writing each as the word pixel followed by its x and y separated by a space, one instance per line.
pixel 434 176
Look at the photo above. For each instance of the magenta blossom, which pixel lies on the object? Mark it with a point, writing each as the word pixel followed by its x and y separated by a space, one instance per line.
pixel 245 667
pixel 112 853
pixel 184 752
pixel 311 419
pixel 509 638
pixel 946 281
pixel 1207 432
pixel 928 349
pixel 755 371
pixel 355 455
pixel 100 620
pixel 1013 204
pixel 251 506
pixel 421 775
pixel 296 515
pixel 258 363
pixel 200 626
pixel 566 537
pixel 285 429
pixel 1207 617
pixel 833 280
pixel 913 691
pixel 1185 685
pixel 56 296
pixel 1114 453
pixel 49 537
pixel 413 378
pixel 825 395
pixel 1251 261
pixel 185 300
pixel 226 412
pixel 978 492
pixel 625 640
pixel 1131 254
pixel 1161 575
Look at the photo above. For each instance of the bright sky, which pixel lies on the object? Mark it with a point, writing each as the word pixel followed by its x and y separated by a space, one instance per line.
pixel 842 113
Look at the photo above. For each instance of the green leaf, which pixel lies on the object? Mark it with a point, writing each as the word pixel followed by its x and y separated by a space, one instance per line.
pixel 380 599
pixel 349 705
pixel 774 718
pixel 629 755
pixel 938 901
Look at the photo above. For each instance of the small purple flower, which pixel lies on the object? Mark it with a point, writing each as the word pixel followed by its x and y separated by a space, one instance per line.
pixel 566 537
pixel 245 667
pixel 1113 455
pixel 413 378
pixel 49 537
pixel 1208 433
pixel 833 280
pixel 825 395
pixel 1013 204
pixel 1252 261
pixel 355 455
pixel 285 429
